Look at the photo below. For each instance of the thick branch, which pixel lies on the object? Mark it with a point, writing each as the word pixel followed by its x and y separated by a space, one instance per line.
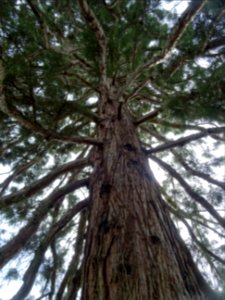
pixel 194 7
pixel 164 123
pixel 43 182
pixel 37 129
pixel 25 233
pixel 202 175
pixel 187 139
pixel 31 272
pixel 93 22
pixel 41 21
pixel 71 280
pixel 195 196
pixel 20 170
pixel 137 89
pixel 179 29
pixel 147 117
pixel 207 46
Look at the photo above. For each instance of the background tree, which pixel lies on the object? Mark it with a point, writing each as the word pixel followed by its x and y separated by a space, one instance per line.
pixel 90 90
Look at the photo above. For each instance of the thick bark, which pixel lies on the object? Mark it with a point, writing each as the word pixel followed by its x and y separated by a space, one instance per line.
pixel 133 250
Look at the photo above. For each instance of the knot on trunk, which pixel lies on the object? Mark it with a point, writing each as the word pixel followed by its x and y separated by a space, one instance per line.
pixel 105 188
pixel 129 147
pixel 125 268
pixel 155 239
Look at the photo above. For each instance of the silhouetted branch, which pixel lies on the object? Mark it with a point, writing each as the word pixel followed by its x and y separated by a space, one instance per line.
pixel 195 239
pixel 164 123
pixel 194 7
pixel 199 219
pixel 31 272
pixel 20 170
pixel 41 20
pixel 187 139
pixel 71 280
pixel 93 22
pixel 212 29
pixel 199 174
pixel 215 43
pixel 73 265
pixel 195 196
pixel 147 117
pixel 37 129
pixel 43 182
pixel 19 241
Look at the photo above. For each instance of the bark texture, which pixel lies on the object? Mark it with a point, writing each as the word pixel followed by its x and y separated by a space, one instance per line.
pixel 133 250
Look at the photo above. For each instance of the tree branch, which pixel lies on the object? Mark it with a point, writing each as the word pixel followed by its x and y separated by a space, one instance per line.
pixel 19 170
pixel 43 182
pixel 147 117
pixel 73 265
pixel 202 175
pixel 195 196
pixel 204 224
pixel 37 129
pixel 20 240
pixel 164 123
pixel 93 22
pixel 187 139
pixel 213 27
pixel 174 209
pixel 41 21
pixel 215 43
pixel 71 279
pixel 137 89
pixel 195 239
pixel 187 167
pixel 194 7
pixel 31 272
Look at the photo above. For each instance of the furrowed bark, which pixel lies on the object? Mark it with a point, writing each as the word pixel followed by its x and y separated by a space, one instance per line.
pixel 133 250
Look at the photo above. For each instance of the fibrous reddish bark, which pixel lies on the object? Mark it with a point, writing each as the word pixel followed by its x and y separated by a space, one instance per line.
pixel 133 250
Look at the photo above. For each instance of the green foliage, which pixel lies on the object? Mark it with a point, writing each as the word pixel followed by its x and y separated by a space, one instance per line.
pixel 51 56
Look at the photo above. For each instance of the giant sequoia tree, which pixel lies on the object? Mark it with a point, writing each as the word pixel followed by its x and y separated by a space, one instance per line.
pixel 91 91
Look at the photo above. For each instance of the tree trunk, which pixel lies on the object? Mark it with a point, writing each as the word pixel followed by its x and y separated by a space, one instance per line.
pixel 133 251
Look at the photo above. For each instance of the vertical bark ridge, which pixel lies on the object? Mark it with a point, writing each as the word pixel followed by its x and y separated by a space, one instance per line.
pixel 133 250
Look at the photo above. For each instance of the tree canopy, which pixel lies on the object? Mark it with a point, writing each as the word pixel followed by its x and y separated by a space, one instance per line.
pixel 56 60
